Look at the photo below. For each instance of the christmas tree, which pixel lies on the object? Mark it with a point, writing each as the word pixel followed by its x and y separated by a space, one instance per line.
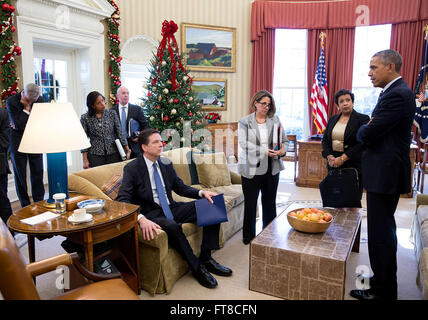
pixel 171 106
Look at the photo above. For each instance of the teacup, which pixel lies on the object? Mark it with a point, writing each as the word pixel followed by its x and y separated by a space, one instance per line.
pixel 79 214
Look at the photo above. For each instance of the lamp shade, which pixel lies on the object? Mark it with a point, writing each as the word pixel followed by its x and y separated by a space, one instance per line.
pixel 52 128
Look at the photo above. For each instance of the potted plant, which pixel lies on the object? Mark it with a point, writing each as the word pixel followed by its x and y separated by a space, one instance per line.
pixel 212 117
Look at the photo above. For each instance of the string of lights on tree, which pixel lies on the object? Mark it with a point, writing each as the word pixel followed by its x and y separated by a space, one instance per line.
pixel 171 105
pixel 115 58
pixel 8 51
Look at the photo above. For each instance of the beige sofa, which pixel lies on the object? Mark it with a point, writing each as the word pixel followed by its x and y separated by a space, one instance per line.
pixel 161 266
pixel 420 239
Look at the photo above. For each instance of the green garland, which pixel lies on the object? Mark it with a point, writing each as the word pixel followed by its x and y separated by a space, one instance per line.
pixel 115 58
pixel 8 51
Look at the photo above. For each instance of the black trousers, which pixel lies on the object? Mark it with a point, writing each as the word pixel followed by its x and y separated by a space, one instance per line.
pixel 5 208
pixel 382 242
pixel 95 160
pixel 267 184
pixel 19 162
pixel 186 212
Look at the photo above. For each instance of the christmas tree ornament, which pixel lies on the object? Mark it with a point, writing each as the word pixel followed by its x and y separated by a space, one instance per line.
pixel 166 91
pixel 173 111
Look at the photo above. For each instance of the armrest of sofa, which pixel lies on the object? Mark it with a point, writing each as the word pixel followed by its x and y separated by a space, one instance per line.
pixel 85 187
pixel 421 199
pixel 235 178
pixel 160 241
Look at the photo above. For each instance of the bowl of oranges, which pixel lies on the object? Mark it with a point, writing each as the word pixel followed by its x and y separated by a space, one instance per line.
pixel 311 220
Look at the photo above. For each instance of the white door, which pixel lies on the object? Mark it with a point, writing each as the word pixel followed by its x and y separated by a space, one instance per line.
pixel 55 71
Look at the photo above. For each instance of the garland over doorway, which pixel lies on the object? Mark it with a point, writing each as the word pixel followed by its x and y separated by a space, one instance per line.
pixel 115 58
pixel 8 51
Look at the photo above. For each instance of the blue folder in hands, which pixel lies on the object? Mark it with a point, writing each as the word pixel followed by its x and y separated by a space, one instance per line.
pixel 134 128
pixel 208 214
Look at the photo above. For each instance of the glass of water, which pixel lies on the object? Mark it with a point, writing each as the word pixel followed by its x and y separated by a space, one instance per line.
pixel 60 202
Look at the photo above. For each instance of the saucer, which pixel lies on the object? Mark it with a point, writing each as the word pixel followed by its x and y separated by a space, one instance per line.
pixel 92 205
pixel 87 218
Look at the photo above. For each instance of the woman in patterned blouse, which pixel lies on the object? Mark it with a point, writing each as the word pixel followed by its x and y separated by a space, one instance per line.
pixel 102 126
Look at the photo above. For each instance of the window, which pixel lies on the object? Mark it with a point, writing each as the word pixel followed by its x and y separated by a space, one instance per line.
pixel 368 41
pixel 51 75
pixel 134 77
pixel 290 89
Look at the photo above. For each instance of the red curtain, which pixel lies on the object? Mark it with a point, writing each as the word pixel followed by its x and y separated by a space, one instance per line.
pixel 338 20
pixel 263 62
pixel 407 38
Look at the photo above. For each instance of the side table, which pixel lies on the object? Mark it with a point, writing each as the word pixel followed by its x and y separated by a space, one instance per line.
pixel 116 221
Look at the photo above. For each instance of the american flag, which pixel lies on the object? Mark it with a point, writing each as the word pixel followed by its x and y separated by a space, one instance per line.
pixel 319 99
pixel 421 115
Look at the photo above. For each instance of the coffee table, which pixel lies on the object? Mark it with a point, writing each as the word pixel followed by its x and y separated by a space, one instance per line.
pixel 117 221
pixel 294 265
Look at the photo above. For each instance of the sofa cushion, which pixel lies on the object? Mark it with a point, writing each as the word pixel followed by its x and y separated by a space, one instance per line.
pixel 100 175
pixel 212 169
pixel 424 235
pixel 422 214
pixel 181 161
pixel 233 195
pixel 111 187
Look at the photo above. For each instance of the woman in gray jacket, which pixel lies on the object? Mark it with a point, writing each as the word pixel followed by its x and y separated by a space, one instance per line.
pixel 259 160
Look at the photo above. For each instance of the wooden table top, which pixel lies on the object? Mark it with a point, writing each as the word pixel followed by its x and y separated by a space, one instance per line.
pixel 112 211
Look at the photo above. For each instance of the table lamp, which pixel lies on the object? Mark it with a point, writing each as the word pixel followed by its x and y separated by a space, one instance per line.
pixel 54 128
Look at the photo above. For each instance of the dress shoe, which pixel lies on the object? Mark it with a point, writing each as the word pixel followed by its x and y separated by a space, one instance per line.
pixel 363 295
pixel 216 268
pixel 204 277
pixel 246 241
pixel 369 295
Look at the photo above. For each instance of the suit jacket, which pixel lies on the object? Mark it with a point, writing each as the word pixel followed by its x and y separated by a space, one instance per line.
pixel 386 164
pixel 134 112
pixel 18 118
pixel 250 152
pixel 4 141
pixel 352 147
pixel 136 187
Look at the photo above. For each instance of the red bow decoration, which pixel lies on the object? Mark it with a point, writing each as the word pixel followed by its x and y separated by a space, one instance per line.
pixel 168 30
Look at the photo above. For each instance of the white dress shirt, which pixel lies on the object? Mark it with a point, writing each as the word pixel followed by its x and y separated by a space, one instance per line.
pixel 120 111
pixel 149 165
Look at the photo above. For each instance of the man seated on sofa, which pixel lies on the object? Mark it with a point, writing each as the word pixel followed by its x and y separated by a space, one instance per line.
pixel 148 182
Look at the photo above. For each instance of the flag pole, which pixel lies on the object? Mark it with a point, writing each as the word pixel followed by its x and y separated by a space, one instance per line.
pixel 319 96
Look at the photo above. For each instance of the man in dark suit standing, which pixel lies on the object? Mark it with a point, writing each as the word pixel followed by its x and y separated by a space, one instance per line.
pixel 386 170
pixel 148 182
pixel 19 108
pixel 128 112
pixel 5 208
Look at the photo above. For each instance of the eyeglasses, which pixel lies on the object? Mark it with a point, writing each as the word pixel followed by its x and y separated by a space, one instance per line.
pixel 264 104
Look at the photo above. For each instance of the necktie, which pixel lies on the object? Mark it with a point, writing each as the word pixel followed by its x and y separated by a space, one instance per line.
pixel 124 122
pixel 161 193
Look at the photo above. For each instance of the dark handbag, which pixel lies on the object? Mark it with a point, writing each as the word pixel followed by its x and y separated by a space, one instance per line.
pixel 341 189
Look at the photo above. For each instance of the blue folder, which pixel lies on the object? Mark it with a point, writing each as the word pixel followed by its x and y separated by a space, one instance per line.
pixel 208 214
pixel 134 127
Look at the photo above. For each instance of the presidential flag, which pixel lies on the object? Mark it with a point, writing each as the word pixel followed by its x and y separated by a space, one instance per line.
pixel 421 94
pixel 319 99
